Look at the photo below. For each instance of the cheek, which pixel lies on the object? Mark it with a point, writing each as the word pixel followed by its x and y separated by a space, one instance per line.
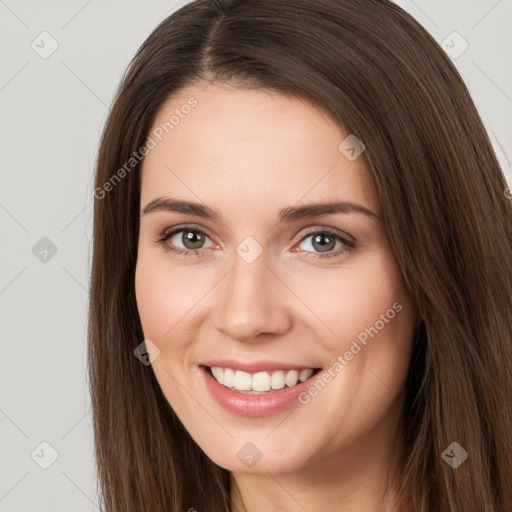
pixel 165 294
pixel 362 296
pixel 162 299
pixel 373 320
pixel 152 302
pixel 163 303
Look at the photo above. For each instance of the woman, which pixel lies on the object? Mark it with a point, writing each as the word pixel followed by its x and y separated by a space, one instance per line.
pixel 302 232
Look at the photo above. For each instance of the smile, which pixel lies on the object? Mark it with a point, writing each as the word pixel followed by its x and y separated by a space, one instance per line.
pixel 260 392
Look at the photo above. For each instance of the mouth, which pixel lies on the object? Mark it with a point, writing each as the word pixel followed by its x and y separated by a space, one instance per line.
pixel 259 383
pixel 258 393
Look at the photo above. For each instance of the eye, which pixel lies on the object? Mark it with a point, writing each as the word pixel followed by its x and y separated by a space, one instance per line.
pixel 191 239
pixel 325 241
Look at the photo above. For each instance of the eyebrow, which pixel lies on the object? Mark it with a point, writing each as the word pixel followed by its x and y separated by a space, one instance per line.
pixel 290 214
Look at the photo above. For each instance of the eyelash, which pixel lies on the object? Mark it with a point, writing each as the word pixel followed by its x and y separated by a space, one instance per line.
pixel 165 235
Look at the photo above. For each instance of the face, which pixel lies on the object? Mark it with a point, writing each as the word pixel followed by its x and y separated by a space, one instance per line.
pixel 298 309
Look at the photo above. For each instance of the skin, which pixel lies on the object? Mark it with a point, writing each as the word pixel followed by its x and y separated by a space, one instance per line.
pixel 247 154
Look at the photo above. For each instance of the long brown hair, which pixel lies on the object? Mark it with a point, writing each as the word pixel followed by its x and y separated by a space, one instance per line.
pixel 376 70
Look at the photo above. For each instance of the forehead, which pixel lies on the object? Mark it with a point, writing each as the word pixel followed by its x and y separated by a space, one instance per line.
pixel 249 149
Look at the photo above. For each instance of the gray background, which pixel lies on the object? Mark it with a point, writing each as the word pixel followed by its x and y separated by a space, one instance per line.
pixel 53 110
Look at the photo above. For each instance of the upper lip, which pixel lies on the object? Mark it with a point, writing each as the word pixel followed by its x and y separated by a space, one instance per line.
pixel 254 366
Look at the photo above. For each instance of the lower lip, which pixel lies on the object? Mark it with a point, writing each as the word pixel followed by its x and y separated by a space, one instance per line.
pixel 254 405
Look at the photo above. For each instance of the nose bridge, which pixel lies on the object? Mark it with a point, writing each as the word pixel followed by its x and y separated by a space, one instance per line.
pixel 250 303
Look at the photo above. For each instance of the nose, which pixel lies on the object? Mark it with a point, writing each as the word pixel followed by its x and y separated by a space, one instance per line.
pixel 252 302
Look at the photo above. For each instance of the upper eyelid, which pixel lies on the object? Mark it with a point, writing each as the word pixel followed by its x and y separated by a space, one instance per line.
pixel 334 231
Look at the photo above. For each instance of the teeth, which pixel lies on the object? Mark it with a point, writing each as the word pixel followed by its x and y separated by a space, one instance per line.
pixel 305 374
pixel 218 374
pixel 278 380
pixel 291 378
pixel 229 377
pixel 242 381
pixel 261 382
